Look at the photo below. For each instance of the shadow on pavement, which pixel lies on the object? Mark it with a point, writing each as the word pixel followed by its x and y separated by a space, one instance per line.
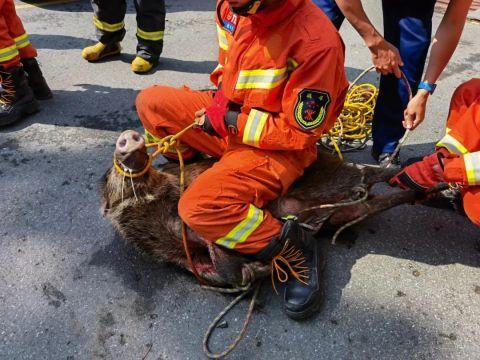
pixel 59 42
pixel 89 106
pixel 169 64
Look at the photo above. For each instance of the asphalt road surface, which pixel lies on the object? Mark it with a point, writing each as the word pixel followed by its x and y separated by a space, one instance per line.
pixel 406 284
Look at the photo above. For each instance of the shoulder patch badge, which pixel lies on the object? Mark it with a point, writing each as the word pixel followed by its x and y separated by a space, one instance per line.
pixel 311 108
pixel 230 22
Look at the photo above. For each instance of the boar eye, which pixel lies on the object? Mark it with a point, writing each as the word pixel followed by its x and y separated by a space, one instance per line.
pixel 136 137
pixel 123 142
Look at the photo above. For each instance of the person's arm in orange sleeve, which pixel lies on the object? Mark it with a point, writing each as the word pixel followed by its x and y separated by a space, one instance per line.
pixel 438 168
pixel 312 100
pixel 463 169
pixel 216 75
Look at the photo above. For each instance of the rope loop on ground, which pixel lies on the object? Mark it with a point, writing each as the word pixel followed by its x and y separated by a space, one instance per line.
pixel 213 325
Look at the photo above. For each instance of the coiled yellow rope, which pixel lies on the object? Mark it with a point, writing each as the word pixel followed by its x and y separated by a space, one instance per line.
pixel 353 127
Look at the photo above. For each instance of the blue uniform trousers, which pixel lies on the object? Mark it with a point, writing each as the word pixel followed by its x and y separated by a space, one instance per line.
pixel 408 26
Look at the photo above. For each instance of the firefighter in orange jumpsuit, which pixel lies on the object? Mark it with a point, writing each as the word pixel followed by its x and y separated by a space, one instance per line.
pixel 281 85
pixel 457 158
pixel 17 56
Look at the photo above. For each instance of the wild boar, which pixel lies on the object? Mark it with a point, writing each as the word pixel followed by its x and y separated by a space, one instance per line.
pixel 144 209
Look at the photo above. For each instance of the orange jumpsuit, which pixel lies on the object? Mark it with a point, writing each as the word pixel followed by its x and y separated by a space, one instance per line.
pixel 283 69
pixel 14 43
pixel 463 138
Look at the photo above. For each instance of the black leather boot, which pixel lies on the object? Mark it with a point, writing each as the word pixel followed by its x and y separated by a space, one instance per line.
pixel 298 262
pixel 36 80
pixel 16 97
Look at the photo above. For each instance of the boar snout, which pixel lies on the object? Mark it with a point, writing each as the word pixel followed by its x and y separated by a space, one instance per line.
pixel 130 150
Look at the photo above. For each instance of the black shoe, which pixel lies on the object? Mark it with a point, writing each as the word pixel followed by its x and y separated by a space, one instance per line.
pixel 36 80
pixel 296 253
pixel 16 97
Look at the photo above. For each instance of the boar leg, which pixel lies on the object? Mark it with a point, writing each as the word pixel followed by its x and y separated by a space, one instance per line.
pixel 370 207
pixel 375 175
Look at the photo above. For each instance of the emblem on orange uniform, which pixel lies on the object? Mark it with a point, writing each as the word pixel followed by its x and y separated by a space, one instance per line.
pixel 311 108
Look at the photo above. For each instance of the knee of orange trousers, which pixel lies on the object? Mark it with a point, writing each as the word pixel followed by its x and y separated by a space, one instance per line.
pixel 153 104
pixel 10 63
pixel 471 204
pixel 214 222
pixel 28 52
pixel 147 104
pixel 467 92
pixel 165 111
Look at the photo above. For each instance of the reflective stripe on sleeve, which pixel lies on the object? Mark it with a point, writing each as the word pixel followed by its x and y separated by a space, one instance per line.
pixel 222 38
pixel 102 25
pixel 254 127
pixel 22 41
pixel 8 53
pixel 261 79
pixel 243 230
pixel 150 35
pixel 472 167
pixel 452 145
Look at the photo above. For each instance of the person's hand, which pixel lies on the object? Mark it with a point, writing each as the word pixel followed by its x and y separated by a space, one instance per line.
pixel 212 119
pixel 386 57
pixel 415 111
pixel 202 122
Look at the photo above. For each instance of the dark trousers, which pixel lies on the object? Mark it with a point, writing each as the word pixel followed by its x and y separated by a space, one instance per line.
pixel 150 23
pixel 408 26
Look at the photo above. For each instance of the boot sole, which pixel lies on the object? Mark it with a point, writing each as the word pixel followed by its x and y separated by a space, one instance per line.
pixel 30 109
pixel 315 307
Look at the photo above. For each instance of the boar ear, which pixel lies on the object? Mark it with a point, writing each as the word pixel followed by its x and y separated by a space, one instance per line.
pixel 102 188
pixel 104 207
pixel 102 182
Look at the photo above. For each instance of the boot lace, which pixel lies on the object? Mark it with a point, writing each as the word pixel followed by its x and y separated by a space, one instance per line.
pixel 289 262
pixel 7 92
